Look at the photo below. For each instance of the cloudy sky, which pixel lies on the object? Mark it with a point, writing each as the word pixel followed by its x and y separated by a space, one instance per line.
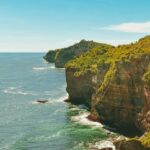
pixel 39 25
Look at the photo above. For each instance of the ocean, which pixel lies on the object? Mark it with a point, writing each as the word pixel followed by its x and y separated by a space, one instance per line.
pixel 28 125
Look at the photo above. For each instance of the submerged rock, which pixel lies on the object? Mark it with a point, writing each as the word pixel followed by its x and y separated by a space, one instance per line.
pixel 42 101
pixel 107 148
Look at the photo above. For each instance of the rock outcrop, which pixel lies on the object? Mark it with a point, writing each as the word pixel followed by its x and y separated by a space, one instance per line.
pixel 61 56
pixel 144 116
pixel 50 56
pixel 129 145
pixel 111 82
pixel 142 143
pixel 123 98
pixel 80 89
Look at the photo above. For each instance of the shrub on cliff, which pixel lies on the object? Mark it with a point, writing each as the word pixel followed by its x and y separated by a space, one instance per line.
pixel 62 56
pixel 51 56
pixel 106 55
pixel 145 139
pixel 146 78
pixel 90 60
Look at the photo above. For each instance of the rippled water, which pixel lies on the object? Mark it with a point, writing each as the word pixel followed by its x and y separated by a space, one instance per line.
pixel 27 125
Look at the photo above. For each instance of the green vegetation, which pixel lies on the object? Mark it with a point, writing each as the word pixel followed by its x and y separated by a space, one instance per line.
pixel 50 56
pixel 145 139
pixel 62 56
pixel 107 57
pixel 90 60
pixel 108 77
pixel 67 54
pixel 146 78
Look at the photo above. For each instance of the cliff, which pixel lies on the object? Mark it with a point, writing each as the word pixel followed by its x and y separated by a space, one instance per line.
pixel 115 84
pixel 50 56
pixel 142 143
pixel 61 56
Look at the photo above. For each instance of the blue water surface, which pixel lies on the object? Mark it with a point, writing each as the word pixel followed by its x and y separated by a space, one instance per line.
pixel 27 125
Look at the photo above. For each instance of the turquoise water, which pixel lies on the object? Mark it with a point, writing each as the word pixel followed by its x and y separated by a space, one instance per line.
pixel 27 125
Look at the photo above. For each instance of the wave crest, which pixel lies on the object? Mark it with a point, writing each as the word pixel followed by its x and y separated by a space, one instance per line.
pixel 17 91
pixel 43 68
pixel 104 144
pixel 82 119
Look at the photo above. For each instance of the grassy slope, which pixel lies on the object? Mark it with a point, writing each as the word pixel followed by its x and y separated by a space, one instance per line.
pixel 66 54
pixel 107 55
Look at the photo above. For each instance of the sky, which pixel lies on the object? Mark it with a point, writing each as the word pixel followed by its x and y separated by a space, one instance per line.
pixel 41 25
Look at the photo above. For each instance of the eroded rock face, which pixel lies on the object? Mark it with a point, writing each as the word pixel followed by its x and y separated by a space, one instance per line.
pixel 144 116
pixel 80 89
pixel 129 145
pixel 122 100
pixel 124 96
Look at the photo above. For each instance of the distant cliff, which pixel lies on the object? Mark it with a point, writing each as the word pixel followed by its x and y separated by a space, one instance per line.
pixel 50 56
pixel 61 56
pixel 115 84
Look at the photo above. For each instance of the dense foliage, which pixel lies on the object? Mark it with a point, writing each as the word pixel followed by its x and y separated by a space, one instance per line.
pixel 109 55
pixel 145 139
pixel 90 60
pixel 146 78
pixel 62 56
pixel 51 55
pixel 106 55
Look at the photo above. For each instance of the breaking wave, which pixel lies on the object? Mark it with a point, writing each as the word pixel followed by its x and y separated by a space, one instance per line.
pixel 82 119
pixel 43 68
pixel 104 144
pixel 17 91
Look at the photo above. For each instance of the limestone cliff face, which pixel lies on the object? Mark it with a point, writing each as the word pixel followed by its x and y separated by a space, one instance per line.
pixel 123 98
pixel 129 145
pixel 144 116
pixel 137 143
pixel 80 89
pixel 116 93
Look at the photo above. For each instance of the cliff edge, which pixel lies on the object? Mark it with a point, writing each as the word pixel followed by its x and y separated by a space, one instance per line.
pixel 114 83
pixel 62 56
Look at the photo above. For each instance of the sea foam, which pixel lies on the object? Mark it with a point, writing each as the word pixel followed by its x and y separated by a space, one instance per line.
pixel 17 91
pixel 104 144
pixel 52 101
pixel 43 68
pixel 82 119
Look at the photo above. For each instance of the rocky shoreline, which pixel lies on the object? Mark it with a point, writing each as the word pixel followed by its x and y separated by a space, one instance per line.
pixel 117 93
pixel 114 83
pixel 121 141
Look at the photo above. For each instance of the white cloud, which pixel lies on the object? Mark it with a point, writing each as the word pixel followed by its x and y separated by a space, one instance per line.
pixel 114 41
pixel 69 41
pixel 132 27
pixel 117 42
